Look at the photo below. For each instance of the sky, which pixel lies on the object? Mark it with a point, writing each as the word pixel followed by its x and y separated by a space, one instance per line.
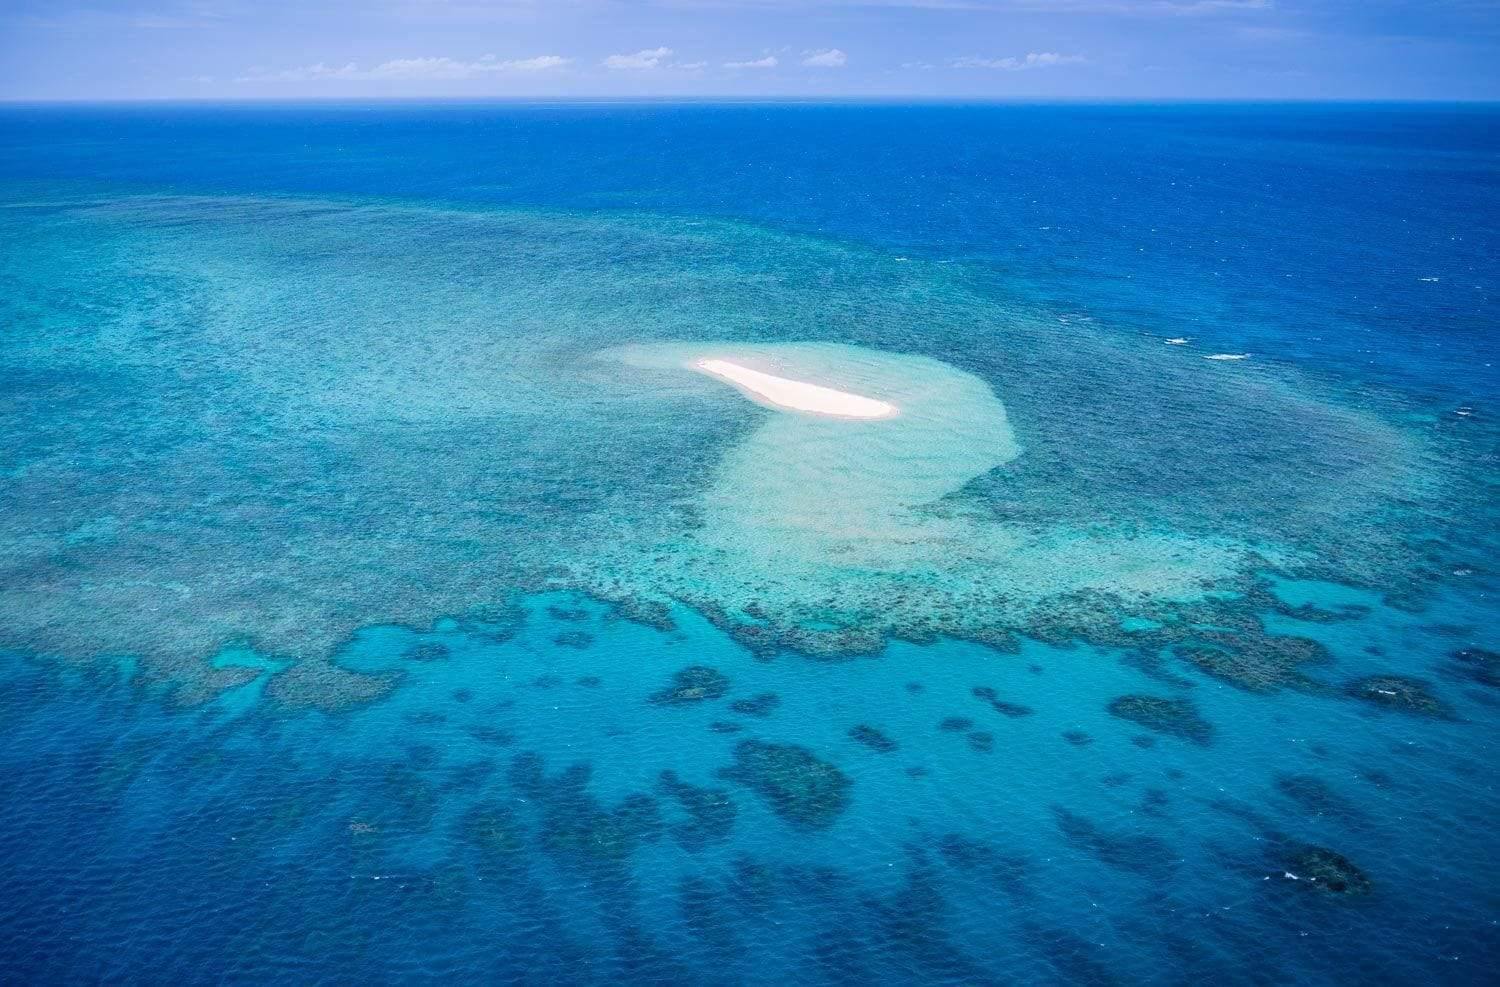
pixel 994 49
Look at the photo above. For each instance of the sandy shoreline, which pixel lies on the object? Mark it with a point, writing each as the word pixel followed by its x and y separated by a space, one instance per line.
pixel 796 395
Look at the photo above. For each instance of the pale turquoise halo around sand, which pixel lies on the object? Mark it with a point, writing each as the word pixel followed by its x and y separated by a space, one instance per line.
pixel 851 514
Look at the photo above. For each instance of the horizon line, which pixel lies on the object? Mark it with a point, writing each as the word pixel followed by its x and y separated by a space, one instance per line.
pixel 909 98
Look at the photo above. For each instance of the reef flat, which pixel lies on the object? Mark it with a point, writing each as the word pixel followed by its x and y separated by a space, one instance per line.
pixel 432 567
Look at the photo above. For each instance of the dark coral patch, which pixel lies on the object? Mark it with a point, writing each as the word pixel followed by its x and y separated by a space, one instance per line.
pixel 956 724
pixel 693 684
pixel 1135 852
pixel 1154 802
pixel 492 735
pixel 1173 717
pixel 798 786
pixel 589 682
pixel 573 639
pixel 1476 665
pixel 1013 710
pixel 1314 796
pixel 426 651
pixel 1400 693
pixel 1077 738
pixel 1328 872
pixel 1259 663
pixel 323 685
pixel 576 828
pixel 981 742
pixel 977 858
pixel 873 739
pixel 761 705
pixel 497 836
pixel 710 812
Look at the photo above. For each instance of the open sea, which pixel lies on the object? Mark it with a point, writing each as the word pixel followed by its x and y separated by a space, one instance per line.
pixel 384 599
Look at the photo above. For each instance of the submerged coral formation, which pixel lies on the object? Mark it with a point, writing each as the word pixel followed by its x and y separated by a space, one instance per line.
pixel 692 685
pixel 324 685
pixel 1478 665
pixel 763 704
pixel 1328 872
pixel 798 786
pixel 873 738
pixel 710 812
pixel 1174 717
pixel 1401 693
pixel 1001 706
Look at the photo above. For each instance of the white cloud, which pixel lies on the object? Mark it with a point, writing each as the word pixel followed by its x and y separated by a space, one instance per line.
pixel 828 58
pixel 409 68
pixel 304 73
pixel 769 62
pixel 540 63
pixel 1031 60
pixel 649 58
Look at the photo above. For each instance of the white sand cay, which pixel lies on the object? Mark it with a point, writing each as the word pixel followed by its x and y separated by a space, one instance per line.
pixel 797 395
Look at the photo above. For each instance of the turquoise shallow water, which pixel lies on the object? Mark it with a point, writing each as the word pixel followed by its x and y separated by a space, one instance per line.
pixel 384 597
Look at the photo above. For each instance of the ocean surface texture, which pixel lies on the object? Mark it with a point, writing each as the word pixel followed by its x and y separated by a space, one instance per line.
pixel 384 597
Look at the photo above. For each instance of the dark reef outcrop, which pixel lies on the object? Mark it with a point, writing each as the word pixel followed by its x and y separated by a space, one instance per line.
pixel 710 812
pixel 325 686
pixel 1173 717
pixel 1478 665
pixel 1253 660
pixel 1398 692
pixel 1327 872
pixel 763 704
pixel 798 786
pixel 1135 852
pixel 988 695
pixel 693 684
pixel 873 739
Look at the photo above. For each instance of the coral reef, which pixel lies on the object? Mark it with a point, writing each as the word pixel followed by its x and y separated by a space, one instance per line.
pixel 1398 692
pixel 497 837
pixel 426 651
pixel 693 684
pixel 1173 717
pixel 990 696
pixel 1138 853
pixel 1327 872
pixel 575 827
pixel 763 704
pixel 873 739
pixel 710 811
pixel 1258 663
pixel 1478 665
pixel 325 686
pixel 799 787
pixel 1314 796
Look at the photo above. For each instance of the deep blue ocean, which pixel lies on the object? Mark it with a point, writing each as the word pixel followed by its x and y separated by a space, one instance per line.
pixel 383 597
